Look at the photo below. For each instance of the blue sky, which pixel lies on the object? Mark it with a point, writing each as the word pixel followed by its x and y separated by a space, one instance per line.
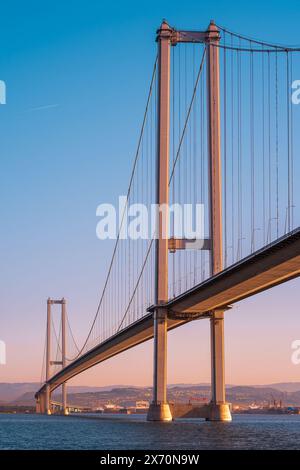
pixel 77 75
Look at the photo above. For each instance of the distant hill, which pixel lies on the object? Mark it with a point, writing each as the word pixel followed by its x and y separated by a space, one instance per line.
pixel 23 393
pixel 10 392
pixel 235 394
pixel 27 399
pixel 281 386
pixel 286 386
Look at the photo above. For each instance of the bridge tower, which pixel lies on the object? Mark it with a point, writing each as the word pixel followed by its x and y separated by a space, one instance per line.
pixel 48 356
pixel 64 353
pixel 219 409
pixel 166 37
pixel 44 405
pixel 159 409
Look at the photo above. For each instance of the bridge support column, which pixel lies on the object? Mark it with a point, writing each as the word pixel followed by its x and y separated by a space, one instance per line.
pixel 48 359
pixel 64 399
pixel 159 409
pixel 38 405
pixel 48 400
pixel 63 339
pixel 218 409
pixel 41 404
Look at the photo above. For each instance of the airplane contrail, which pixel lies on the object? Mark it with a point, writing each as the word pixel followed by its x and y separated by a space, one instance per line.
pixel 41 108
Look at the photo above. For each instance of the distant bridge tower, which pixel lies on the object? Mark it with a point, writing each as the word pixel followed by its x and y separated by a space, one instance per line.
pixel 166 37
pixel 44 403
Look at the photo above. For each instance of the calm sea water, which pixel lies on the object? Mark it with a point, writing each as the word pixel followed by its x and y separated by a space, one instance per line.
pixel 133 432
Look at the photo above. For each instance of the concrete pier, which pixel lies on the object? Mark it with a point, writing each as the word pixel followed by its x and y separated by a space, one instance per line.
pixel 159 409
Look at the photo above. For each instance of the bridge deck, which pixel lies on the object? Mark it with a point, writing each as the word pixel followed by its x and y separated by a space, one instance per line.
pixel 276 263
pixel 268 267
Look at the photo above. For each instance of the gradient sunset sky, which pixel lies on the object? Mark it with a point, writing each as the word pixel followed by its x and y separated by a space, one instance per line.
pixel 77 76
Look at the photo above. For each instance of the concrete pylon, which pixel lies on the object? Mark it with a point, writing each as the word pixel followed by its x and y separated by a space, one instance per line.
pixel 159 409
pixel 48 359
pixel 38 408
pixel 48 400
pixel 45 402
pixel 219 410
pixel 63 350
pixel 40 405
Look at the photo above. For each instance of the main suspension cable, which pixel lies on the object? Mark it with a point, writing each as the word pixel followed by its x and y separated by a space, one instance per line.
pixel 255 41
pixel 124 210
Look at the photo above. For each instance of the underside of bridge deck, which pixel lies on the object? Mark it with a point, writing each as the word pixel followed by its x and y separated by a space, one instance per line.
pixel 268 267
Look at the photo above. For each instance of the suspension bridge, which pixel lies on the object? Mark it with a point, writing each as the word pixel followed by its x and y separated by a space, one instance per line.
pixel 218 129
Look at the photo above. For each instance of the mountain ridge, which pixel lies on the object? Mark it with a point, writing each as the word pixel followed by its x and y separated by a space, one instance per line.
pixel 23 393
